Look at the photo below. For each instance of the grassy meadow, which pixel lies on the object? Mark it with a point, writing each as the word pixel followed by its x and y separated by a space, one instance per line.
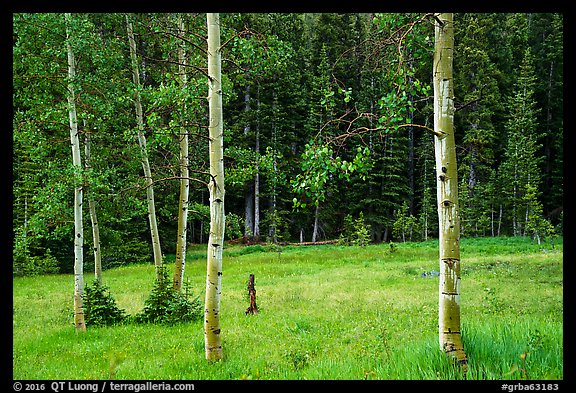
pixel 326 312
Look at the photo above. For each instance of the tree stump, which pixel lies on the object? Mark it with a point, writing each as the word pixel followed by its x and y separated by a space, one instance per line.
pixel 253 308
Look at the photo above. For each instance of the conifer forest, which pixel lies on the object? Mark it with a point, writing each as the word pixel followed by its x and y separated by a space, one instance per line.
pixel 325 121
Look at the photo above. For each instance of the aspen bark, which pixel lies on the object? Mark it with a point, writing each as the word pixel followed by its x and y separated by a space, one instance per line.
pixel 315 230
pixel 180 263
pixel 79 322
pixel 447 192
pixel 143 151
pixel 93 216
pixel 249 197
pixel 213 343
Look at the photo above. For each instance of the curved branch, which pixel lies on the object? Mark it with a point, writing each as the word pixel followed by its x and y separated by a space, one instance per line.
pixel 439 134
pixel 199 69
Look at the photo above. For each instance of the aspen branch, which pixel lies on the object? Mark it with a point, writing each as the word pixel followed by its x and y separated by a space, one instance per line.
pixel 199 69
pixel 184 39
pixel 439 134
pixel 177 178
pixel 358 131
pixel 239 34
pixel 436 18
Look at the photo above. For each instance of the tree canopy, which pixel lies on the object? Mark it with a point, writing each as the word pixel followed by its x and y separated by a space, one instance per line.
pixel 327 118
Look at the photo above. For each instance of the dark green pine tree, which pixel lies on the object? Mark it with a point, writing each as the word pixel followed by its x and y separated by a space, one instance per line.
pixel 477 99
pixel 546 38
pixel 520 167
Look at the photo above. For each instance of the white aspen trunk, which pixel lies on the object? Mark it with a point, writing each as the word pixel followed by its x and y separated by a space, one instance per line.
pixel 447 193
pixel 492 219
pixel 143 151
pixel 249 211
pixel 499 220
pixel 180 264
pixel 257 193
pixel 93 216
pixel 213 343
pixel 257 178
pixel 249 198
pixel 315 230
pixel 79 322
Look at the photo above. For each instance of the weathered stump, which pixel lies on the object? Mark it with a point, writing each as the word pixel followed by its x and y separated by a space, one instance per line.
pixel 253 308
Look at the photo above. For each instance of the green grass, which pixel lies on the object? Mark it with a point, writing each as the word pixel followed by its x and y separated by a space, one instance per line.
pixel 326 312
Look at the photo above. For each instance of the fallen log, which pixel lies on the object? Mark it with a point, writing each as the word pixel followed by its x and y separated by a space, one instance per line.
pixel 314 243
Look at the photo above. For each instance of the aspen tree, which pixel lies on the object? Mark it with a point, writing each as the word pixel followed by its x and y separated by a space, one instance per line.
pixel 143 152
pixel 447 192
pixel 213 344
pixel 79 322
pixel 180 263
pixel 93 215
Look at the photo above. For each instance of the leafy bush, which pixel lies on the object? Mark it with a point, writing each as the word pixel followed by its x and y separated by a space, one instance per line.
pixel 100 306
pixel 234 226
pixel 167 305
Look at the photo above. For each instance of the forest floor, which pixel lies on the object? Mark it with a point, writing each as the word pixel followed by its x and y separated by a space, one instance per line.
pixel 325 313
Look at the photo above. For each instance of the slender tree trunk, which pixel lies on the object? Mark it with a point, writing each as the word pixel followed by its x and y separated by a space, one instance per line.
pixel 257 176
pixel 447 193
pixel 492 219
pixel 180 264
pixel 79 322
pixel 93 216
pixel 411 149
pixel 257 192
pixel 143 152
pixel 274 216
pixel 315 230
pixel 249 198
pixel 272 229
pixel 249 211
pixel 499 220
pixel 213 344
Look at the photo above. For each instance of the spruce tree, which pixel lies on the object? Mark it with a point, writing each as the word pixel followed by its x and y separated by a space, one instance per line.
pixel 520 167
